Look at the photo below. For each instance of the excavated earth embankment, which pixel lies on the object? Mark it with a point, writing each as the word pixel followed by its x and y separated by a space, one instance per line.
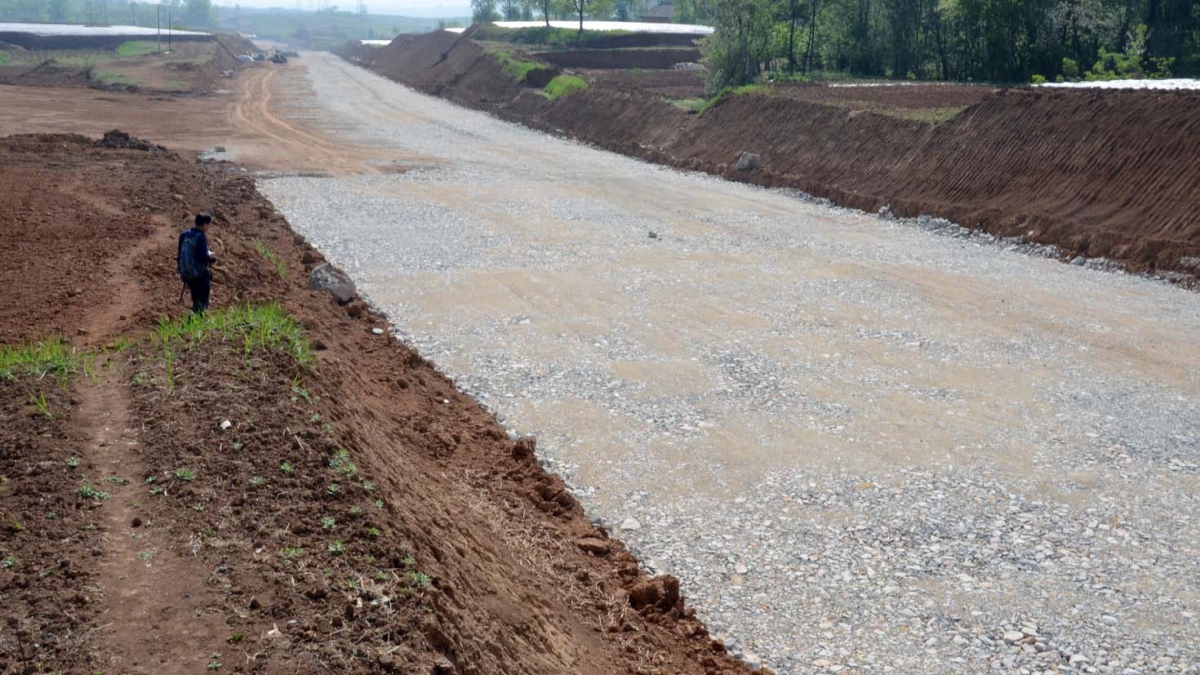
pixel 1095 173
pixel 282 488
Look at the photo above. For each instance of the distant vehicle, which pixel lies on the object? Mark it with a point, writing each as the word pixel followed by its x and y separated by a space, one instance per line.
pixel 278 57
pixel 259 56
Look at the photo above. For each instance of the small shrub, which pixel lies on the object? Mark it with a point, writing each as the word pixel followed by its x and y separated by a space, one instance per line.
pixel 1038 79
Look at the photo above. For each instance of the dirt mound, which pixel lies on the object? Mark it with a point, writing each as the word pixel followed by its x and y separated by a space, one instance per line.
pixel 117 139
pixel 338 507
pixel 1096 173
pixel 450 65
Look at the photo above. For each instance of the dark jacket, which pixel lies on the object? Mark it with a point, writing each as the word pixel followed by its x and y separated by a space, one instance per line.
pixel 200 255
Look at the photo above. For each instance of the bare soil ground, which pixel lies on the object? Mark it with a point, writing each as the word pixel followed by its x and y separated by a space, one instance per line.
pixel 1093 173
pixel 189 67
pixel 215 503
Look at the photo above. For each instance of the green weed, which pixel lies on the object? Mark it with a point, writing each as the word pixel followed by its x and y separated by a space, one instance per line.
pixel 53 357
pixel 337 548
pixel 419 579
pixel 88 492
pixel 8 563
pixel 185 475
pixel 288 468
pixel 74 462
pixel 292 553
pixel 333 489
pixel 271 257
pixel 257 481
pixel 340 462
pixel 328 523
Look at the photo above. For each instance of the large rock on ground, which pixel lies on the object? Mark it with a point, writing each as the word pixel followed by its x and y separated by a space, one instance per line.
pixel 747 161
pixel 326 277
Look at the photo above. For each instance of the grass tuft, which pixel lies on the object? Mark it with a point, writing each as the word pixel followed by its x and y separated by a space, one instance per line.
pixel 53 357
pixel 564 85
pixel 516 69
pixel 262 327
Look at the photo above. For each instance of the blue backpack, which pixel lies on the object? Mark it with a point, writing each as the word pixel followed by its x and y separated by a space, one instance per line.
pixel 190 267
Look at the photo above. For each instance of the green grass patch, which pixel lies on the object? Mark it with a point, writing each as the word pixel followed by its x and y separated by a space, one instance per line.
pixel 515 69
pixel 53 357
pixel 4 58
pixel 136 48
pixel 564 85
pixel 744 90
pixel 688 104
pixel 255 328
pixel 271 257
pixel 110 77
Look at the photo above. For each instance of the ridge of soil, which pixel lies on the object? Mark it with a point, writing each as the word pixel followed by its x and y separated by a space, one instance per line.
pixel 1094 173
pixel 222 543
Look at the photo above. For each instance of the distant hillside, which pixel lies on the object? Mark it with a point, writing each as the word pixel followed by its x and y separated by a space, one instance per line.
pixel 319 30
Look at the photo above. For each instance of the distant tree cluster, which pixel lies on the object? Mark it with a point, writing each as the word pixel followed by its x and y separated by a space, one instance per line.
pixel 973 40
pixel 183 13
pixel 484 11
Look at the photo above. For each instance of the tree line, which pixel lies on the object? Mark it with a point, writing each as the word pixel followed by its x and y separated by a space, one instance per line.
pixel 965 40
pixel 182 13
pixel 483 11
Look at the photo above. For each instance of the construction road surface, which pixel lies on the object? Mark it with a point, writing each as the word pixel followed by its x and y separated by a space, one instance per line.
pixel 862 444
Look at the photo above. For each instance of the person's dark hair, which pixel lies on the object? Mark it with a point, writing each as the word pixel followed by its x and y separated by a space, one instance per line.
pixel 203 219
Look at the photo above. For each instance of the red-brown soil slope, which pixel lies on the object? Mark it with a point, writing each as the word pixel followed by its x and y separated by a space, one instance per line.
pixel 250 510
pixel 1094 173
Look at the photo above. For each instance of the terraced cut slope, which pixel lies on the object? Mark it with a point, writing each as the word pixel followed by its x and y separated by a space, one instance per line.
pixel 1095 173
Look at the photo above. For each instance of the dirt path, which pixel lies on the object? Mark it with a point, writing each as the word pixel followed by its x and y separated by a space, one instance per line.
pixel 155 596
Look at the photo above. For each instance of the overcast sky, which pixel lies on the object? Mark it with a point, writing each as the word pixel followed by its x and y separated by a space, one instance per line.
pixel 435 9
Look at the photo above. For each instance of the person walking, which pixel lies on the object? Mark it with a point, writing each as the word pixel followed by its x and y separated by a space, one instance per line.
pixel 193 260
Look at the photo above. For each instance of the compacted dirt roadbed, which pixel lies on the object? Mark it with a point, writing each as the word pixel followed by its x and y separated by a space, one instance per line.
pixel 281 488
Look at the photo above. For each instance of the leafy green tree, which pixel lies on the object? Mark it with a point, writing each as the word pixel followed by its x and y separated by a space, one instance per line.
pixel 483 11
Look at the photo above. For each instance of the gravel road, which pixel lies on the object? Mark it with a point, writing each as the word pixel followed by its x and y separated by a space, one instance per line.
pixel 862 444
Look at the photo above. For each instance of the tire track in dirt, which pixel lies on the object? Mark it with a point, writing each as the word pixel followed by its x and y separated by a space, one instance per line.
pixel 292 147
